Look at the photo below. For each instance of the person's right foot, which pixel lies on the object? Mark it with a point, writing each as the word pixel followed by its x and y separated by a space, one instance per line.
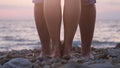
pixel 44 54
pixel 67 52
pixel 56 53
pixel 88 56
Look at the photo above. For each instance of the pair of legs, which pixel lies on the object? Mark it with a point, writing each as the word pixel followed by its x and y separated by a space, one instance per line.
pixel 42 29
pixel 53 22
pixel 48 21
pixel 53 16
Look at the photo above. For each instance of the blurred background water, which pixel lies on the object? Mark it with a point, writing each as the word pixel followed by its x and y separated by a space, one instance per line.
pixel 18 30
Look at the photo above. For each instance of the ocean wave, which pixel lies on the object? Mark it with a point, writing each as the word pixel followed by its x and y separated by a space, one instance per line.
pixel 96 42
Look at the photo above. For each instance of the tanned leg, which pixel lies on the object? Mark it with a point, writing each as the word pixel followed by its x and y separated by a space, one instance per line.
pixel 52 10
pixel 42 30
pixel 71 20
pixel 87 24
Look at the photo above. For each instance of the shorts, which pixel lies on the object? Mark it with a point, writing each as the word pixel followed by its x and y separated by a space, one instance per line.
pixel 84 2
pixel 88 2
pixel 37 1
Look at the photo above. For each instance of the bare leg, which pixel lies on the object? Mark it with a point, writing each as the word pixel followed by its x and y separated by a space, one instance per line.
pixel 52 9
pixel 42 29
pixel 71 20
pixel 87 23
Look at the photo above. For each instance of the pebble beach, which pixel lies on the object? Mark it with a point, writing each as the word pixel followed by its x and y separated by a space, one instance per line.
pixel 103 58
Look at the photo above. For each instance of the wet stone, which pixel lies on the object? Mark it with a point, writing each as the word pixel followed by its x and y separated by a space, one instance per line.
pixel 113 52
pixel 4 57
pixel 64 61
pixel 1 66
pixel 101 66
pixel 74 65
pixel 117 66
pixel 56 65
pixel 18 63
pixel 47 66
pixel 103 58
pixel 118 45
pixel 115 60
pixel 36 64
pixel 76 49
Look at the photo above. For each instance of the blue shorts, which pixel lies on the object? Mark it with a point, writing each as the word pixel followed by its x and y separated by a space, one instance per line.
pixel 84 2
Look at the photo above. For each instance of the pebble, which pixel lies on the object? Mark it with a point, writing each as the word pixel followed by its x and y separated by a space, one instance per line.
pixel 76 49
pixel 36 66
pixel 117 66
pixel 1 66
pixel 18 63
pixel 101 66
pixel 56 65
pixel 74 65
pixel 104 58
pixel 115 60
pixel 113 52
pixel 4 57
pixel 47 66
pixel 118 45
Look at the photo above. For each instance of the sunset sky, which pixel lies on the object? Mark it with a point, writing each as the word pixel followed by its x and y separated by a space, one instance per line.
pixel 23 9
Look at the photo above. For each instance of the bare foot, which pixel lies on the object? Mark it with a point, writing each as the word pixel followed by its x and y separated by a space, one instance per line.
pixel 46 52
pixel 67 52
pixel 44 56
pixel 86 52
pixel 56 53
pixel 88 56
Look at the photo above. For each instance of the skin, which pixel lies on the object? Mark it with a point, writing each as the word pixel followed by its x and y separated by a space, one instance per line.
pixel 49 26
pixel 87 24
pixel 42 30
pixel 71 19
pixel 53 16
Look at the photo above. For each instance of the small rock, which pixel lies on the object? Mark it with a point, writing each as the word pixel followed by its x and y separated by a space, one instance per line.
pixel 102 66
pixel 64 61
pixel 118 45
pixel 117 66
pixel 101 56
pixel 18 63
pixel 1 66
pixel 115 60
pixel 113 52
pixel 78 60
pixel 36 65
pixel 76 49
pixel 4 57
pixel 46 66
pixel 56 65
pixel 74 65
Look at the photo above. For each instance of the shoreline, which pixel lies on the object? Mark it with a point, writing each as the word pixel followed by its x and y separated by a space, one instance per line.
pixel 18 48
pixel 102 57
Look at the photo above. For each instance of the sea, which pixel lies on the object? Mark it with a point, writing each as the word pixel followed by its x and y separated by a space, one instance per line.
pixel 18 30
pixel 22 34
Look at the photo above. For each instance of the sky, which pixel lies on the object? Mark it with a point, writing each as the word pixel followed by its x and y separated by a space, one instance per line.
pixel 23 9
